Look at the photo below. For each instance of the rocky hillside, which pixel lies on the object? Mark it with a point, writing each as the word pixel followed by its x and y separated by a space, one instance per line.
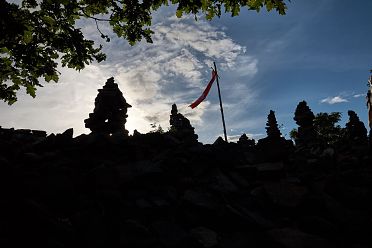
pixel 109 189
pixel 155 190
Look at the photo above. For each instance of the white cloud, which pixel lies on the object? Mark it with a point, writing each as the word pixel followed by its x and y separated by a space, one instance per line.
pixel 358 95
pixel 333 100
pixel 175 69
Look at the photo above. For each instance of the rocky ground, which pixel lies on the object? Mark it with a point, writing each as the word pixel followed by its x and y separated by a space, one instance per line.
pixel 151 190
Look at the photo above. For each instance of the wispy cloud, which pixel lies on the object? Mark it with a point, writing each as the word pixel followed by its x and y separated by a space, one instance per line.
pixel 334 100
pixel 358 95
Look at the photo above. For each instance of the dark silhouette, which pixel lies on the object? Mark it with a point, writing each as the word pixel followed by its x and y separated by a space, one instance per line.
pixel 37 34
pixel 272 129
pixel 304 118
pixel 355 130
pixel 110 111
pixel 180 127
pixel 165 189
pixel 274 147
pixel 245 141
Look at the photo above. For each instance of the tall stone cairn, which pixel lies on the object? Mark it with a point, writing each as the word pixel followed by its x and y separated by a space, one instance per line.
pixel 272 129
pixel 355 129
pixel 110 111
pixel 274 147
pixel 304 118
pixel 181 127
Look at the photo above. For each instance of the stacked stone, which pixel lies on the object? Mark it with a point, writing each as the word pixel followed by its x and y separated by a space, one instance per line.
pixel 110 111
pixel 274 146
pixel 245 141
pixel 356 131
pixel 304 118
pixel 181 127
pixel 272 129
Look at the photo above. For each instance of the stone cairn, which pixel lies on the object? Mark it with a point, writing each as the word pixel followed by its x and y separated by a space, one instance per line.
pixel 245 141
pixel 181 127
pixel 304 118
pixel 274 146
pixel 272 129
pixel 110 111
pixel 355 129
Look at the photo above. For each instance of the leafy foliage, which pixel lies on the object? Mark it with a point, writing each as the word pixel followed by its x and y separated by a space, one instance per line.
pixel 37 34
pixel 156 128
pixel 327 130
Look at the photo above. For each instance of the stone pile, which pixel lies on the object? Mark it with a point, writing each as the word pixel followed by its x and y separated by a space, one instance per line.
pixel 110 111
pixel 274 146
pixel 355 130
pixel 304 118
pixel 150 191
pixel 167 190
pixel 180 127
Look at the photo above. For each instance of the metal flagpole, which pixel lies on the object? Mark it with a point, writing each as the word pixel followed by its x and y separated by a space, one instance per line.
pixel 219 95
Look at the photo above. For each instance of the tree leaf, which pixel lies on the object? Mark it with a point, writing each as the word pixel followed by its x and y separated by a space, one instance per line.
pixel 27 36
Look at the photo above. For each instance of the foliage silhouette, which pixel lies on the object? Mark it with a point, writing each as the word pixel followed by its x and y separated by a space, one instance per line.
pixel 327 132
pixel 37 33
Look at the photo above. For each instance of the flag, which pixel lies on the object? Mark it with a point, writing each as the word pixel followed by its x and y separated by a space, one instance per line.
pixel 205 92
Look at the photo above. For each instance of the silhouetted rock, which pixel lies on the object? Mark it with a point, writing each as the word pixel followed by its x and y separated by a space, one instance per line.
pixel 272 129
pixel 156 190
pixel 245 141
pixel 293 238
pixel 110 111
pixel 205 236
pixel 219 141
pixel 304 118
pixel 273 147
pixel 181 127
pixel 355 130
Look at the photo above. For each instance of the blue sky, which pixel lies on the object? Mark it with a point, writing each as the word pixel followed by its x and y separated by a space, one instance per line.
pixel 321 52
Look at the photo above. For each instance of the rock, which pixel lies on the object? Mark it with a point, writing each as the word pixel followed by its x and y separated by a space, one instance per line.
pixel 251 219
pixel 104 178
pixel 39 133
pixel 304 118
pixel 219 141
pixel 110 111
pixel 293 238
pixel 135 234
pixel 170 234
pixel 243 239
pixel 285 195
pixel 265 170
pixel 356 132
pixel 181 127
pixel 318 226
pixel 205 236
pixel 245 141
pixel 202 200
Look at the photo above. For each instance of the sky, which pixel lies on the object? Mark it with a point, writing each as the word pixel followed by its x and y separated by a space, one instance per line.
pixel 320 52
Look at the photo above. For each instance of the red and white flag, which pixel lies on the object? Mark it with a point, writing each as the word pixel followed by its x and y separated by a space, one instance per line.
pixel 205 92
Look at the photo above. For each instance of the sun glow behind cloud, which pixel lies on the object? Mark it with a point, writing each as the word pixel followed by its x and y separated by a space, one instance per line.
pixel 174 69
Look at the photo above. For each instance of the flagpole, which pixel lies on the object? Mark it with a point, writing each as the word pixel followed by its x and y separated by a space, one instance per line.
pixel 219 96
